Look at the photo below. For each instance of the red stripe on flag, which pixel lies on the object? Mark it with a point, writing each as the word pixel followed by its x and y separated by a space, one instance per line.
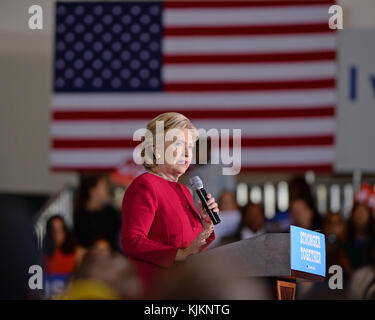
pixel 243 4
pixel 245 142
pixel 249 86
pixel 246 30
pixel 93 143
pixel 226 113
pixel 251 58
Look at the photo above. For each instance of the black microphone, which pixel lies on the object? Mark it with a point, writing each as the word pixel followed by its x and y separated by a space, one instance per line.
pixel 197 185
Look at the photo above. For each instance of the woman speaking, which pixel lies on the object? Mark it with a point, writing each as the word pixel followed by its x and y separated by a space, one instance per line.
pixel 160 224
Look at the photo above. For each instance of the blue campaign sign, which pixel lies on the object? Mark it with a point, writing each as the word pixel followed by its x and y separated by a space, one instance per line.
pixel 55 284
pixel 307 251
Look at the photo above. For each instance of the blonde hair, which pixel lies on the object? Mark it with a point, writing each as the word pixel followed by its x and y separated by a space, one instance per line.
pixel 171 120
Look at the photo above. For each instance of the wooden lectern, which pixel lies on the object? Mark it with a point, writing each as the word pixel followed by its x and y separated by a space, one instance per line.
pixel 266 255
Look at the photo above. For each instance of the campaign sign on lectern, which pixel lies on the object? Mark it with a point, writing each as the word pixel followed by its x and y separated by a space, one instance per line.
pixel 307 251
pixel 289 257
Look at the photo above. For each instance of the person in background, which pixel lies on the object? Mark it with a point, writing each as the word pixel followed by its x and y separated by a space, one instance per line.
pixel 60 249
pixel 335 229
pixel 280 223
pixel 230 217
pixel 101 246
pixel 253 221
pixel 300 189
pixel 360 234
pixel 103 276
pixel 362 282
pixel 303 214
pixel 94 216
pixel 18 250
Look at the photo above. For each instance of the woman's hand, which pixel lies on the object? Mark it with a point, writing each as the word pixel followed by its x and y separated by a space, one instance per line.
pixel 195 246
pixel 208 228
pixel 207 223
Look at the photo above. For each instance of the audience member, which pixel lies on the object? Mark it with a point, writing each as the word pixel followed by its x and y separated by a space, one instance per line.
pixel 360 234
pixel 60 248
pixel 230 216
pixel 94 217
pixel 101 276
pixel 253 221
pixel 18 251
pixel 300 189
pixel 362 283
pixel 303 214
pixel 335 229
pixel 102 246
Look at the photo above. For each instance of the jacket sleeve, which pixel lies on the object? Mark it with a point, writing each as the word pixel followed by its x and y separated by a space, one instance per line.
pixel 138 212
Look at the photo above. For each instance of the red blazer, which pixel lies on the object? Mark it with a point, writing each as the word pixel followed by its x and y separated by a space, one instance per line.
pixel 158 218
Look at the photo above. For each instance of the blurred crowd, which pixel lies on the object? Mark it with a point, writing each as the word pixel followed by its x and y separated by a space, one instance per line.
pixel 90 253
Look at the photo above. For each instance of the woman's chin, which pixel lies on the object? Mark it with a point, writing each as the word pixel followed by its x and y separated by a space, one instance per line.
pixel 181 168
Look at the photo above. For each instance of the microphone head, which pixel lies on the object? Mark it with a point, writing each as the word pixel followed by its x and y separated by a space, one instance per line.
pixel 196 183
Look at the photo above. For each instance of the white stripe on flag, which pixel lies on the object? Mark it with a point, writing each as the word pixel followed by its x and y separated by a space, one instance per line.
pixel 249 44
pixel 246 16
pixel 249 156
pixel 248 72
pixel 287 156
pixel 180 101
pixel 249 128
pixel 90 158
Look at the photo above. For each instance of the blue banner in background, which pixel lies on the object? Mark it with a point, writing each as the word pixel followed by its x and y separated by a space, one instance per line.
pixel 55 284
pixel 307 251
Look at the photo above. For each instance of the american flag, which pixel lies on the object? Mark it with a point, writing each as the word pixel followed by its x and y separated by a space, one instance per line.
pixel 266 67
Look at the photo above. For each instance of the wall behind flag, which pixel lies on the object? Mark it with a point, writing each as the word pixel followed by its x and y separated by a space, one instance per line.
pixel 25 80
